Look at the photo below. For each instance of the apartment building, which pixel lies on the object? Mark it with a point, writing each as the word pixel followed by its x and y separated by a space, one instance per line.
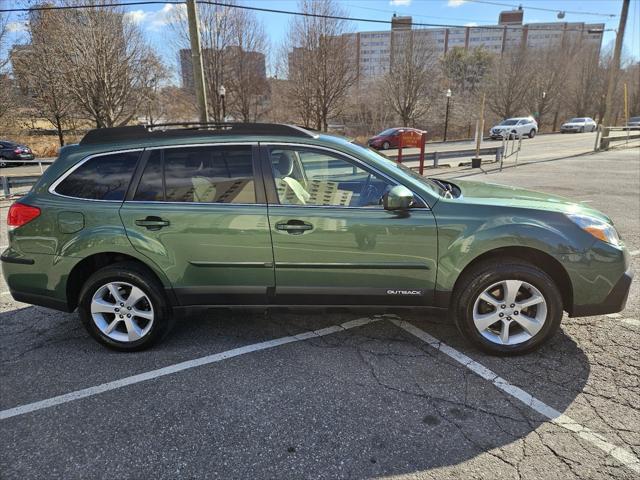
pixel 375 49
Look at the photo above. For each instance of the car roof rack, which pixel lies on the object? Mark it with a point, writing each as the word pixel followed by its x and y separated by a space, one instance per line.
pixel 189 129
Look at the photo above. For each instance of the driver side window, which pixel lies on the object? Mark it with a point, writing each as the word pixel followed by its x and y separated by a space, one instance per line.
pixel 314 177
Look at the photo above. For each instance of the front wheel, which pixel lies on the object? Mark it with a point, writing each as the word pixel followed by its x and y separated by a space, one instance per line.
pixel 385 146
pixel 507 307
pixel 124 308
pixel 532 133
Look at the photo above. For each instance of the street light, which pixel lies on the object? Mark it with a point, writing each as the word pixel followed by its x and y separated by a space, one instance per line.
pixel 446 116
pixel 221 93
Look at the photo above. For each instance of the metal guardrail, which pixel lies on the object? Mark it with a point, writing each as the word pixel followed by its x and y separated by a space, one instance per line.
pixel 9 180
pixel 17 181
pixel 436 156
pixel 604 137
pixel 13 181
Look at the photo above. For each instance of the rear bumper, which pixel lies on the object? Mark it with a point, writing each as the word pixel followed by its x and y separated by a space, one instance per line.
pixel 37 279
pixel 613 303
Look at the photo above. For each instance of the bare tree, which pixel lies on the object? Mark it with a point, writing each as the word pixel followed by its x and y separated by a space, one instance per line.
pixel 38 72
pixel 6 88
pixel 321 59
pixel 246 76
pixel 510 83
pixel 105 62
pixel 585 83
pixel 412 77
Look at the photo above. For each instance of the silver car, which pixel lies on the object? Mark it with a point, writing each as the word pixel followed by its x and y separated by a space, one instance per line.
pixel 515 128
pixel 579 125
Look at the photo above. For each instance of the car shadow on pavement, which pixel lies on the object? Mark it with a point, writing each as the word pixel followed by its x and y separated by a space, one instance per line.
pixel 366 402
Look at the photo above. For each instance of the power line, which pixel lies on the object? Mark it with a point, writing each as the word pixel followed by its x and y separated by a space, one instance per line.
pixel 555 10
pixel 291 12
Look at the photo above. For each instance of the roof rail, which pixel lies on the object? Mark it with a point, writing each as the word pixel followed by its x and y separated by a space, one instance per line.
pixel 189 129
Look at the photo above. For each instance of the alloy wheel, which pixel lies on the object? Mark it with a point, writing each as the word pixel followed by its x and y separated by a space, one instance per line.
pixel 509 312
pixel 122 311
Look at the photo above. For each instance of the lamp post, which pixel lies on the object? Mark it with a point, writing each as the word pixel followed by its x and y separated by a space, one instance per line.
pixel 446 115
pixel 221 93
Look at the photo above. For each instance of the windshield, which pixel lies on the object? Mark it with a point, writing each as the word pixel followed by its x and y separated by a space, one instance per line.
pixel 576 120
pixel 388 131
pixel 509 122
pixel 424 181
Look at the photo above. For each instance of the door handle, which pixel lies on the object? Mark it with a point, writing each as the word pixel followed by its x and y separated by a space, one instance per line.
pixel 294 227
pixel 152 223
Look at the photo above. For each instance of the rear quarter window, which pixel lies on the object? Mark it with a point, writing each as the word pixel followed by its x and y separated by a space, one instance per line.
pixel 105 177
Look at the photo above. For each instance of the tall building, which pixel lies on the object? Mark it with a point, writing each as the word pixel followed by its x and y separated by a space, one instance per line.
pixel 253 60
pixel 375 49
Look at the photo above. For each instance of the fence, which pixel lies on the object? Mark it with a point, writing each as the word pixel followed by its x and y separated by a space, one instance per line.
pixel 436 156
pixel 604 137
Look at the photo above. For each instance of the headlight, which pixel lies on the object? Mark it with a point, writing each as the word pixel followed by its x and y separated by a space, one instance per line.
pixel 599 229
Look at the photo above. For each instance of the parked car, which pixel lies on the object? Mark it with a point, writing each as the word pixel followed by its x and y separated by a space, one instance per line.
pixel 579 125
pixel 132 227
pixel 390 138
pixel 515 128
pixel 13 151
pixel 633 123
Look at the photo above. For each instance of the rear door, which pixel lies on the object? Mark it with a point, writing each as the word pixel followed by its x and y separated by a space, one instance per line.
pixel 333 241
pixel 199 213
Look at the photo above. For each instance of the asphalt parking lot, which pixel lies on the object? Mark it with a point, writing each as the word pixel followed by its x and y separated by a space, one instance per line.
pixel 334 394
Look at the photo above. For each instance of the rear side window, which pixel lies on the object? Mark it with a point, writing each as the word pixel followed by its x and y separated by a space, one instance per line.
pixel 105 177
pixel 212 174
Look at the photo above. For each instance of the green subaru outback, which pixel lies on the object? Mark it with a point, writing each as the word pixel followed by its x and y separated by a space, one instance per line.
pixel 136 224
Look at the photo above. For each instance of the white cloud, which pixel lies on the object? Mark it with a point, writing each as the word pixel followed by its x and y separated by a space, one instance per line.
pixel 137 16
pixel 17 27
pixel 401 3
pixel 455 3
pixel 471 24
pixel 157 19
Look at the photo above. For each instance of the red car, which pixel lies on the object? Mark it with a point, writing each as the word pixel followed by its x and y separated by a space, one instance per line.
pixel 390 138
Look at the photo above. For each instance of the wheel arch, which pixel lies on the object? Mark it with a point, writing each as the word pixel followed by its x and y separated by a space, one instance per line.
pixel 544 261
pixel 92 263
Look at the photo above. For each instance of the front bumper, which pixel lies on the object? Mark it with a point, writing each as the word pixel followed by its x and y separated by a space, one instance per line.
pixel 614 303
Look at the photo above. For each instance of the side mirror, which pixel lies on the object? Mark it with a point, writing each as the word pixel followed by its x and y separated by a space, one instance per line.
pixel 397 198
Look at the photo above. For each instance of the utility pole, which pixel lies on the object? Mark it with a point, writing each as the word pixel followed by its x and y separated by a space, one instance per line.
pixel 615 65
pixel 196 60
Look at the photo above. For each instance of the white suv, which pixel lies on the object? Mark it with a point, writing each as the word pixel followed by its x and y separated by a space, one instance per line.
pixel 515 127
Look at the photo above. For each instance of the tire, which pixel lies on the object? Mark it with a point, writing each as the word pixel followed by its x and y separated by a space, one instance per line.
pixel 125 275
pixel 466 302
pixel 2 163
pixel 532 133
pixel 581 129
pixel 385 146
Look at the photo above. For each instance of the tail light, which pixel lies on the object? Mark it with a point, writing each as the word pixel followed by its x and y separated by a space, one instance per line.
pixel 21 214
pixel 17 150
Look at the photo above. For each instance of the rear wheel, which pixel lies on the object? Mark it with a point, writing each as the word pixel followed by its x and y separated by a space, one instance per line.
pixel 507 307
pixel 385 146
pixel 581 129
pixel 2 162
pixel 124 307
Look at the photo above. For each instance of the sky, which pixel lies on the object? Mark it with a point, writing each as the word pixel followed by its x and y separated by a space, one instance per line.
pixel 153 18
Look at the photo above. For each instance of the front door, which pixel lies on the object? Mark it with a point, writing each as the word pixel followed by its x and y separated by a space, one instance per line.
pixel 334 243
pixel 199 213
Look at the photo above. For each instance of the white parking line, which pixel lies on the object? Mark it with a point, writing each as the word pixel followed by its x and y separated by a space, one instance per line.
pixel 632 321
pixel 4 293
pixel 634 253
pixel 625 457
pixel 178 367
